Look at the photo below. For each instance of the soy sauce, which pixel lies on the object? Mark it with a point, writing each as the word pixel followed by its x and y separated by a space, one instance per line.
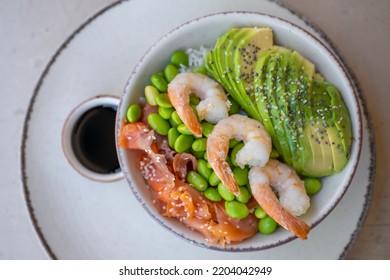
pixel 93 140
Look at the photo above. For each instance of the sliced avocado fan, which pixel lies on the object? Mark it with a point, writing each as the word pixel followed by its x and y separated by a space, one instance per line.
pixel 305 116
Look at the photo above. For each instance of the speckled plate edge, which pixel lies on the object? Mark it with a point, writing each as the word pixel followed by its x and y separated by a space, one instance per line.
pixel 322 36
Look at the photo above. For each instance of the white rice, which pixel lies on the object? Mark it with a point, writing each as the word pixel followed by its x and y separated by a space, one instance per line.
pixel 196 58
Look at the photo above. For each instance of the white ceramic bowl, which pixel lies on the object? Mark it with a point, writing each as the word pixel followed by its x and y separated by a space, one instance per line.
pixel 204 32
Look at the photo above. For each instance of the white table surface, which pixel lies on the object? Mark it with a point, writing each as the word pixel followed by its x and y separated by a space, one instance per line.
pixel 32 31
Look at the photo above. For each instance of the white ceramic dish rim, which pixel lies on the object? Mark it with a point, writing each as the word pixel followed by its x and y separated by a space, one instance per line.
pixel 357 129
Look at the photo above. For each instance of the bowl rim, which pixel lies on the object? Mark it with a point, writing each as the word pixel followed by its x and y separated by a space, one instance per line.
pixel 356 144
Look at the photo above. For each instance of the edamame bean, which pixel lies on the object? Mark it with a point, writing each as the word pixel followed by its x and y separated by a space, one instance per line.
pixel 274 154
pixel 162 100
pixel 233 142
pixel 175 119
pixel 207 128
pixel 214 180
pixel 159 82
pixel 229 161
pixel 203 169
pixel 212 194
pixel 194 100
pixel 234 153
pixel 200 145
pixel 244 195
pixel 134 113
pixel 179 58
pixel 198 155
pixel 249 188
pixel 195 111
pixel 183 143
pixel 158 124
pixel 236 209
pixel 200 69
pixel 234 107
pixel 165 113
pixel 170 72
pixel 241 175
pixel 183 129
pixel 225 193
pixel 151 93
pixel 195 179
pixel 312 185
pixel 267 225
pixel 172 136
pixel 260 213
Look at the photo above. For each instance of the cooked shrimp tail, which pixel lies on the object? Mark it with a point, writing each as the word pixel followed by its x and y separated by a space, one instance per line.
pixel 225 173
pixel 213 106
pixel 270 204
pixel 293 200
pixel 179 95
pixel 256 150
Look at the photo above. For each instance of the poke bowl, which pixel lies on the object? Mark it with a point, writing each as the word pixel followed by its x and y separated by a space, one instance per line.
pixel 226 148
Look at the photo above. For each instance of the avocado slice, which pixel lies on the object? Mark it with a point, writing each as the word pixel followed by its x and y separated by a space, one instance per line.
pixel 326 131
pixel 251 46
pixel 272 64
pixel 293 121
pixel 296 113
pixel 232 74
pixel 305 116
pixel 212 61
pixel 341 118
pixel 233 58
pixel 339 130
pixel 217 62
pixel 224 48
pixel 319 140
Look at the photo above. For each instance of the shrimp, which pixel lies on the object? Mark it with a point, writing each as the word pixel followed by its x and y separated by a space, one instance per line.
pixel 256 150
pixel 214 104
pixel 293 200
